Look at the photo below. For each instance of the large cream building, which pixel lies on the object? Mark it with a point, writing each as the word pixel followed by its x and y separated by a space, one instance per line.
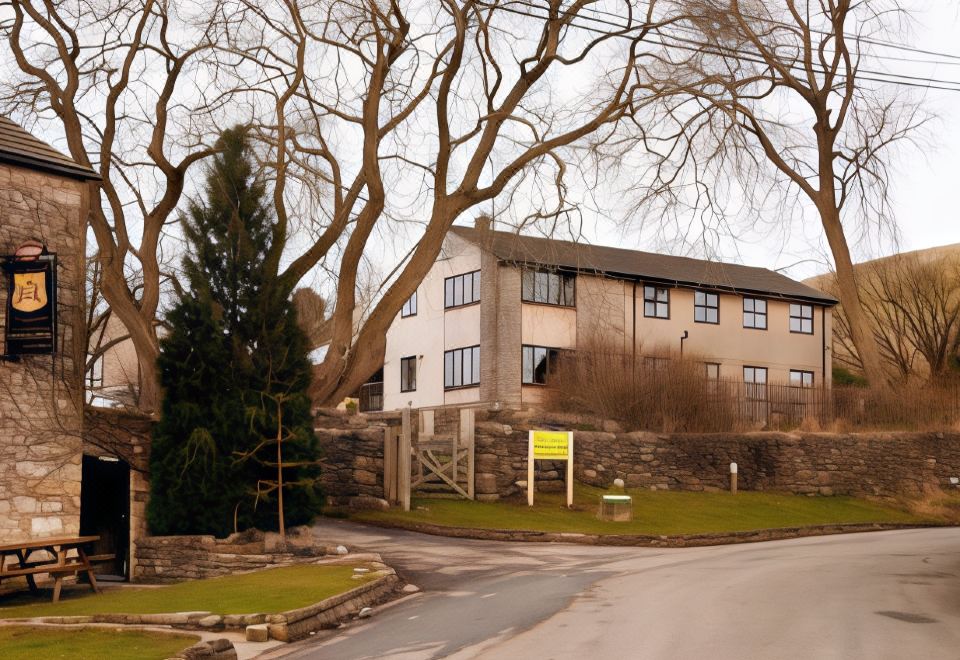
pixel 496 309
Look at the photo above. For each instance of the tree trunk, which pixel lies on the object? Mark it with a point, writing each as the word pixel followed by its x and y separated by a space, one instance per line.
pixel 860 334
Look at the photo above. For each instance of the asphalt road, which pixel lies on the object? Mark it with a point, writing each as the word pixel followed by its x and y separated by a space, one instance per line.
pixel 877 595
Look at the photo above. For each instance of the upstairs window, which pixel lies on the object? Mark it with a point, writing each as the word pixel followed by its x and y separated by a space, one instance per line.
pixel 408 374
pixel 706 307
pixel 549 288
pixel 539 363
pixel 656 302
pixel 755 313
pixel 801 319
pixel 410 307
pixel 461 367
pixel 461 290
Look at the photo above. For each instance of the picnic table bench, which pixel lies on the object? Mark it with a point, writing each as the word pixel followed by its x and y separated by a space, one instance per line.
pixel 58 564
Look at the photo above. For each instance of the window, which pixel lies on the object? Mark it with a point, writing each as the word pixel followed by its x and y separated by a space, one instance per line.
pixel 656 302
pixel 539 363
pixel 95 374
pixel 801 378
pixel 461 289
pixel 801 319
pixel 755 375
pixel 755 313
pixel 461 367
pixel 408 374
pixel 410 307
pixel 549 288
pixel 706 307
pixel 656 363
pixel 711 370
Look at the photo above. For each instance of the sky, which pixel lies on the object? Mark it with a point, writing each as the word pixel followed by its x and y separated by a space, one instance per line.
pixel 924 195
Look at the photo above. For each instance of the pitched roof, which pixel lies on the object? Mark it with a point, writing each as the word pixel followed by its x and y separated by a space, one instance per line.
pixel 18 147
pixel 634 264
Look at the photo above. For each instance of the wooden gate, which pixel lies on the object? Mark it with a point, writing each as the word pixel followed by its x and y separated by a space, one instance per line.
pixel 437 463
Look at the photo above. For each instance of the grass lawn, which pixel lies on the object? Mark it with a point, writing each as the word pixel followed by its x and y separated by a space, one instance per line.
pixel 36 643
pixel 270 591
pixel 654 512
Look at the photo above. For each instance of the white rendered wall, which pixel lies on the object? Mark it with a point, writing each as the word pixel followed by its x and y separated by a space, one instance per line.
pixel 432 331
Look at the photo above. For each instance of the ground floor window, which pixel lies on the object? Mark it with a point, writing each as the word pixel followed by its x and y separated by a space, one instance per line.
pixel 539 363
pixel 408 374
pixel 711 370
pixel 461 367
pixel 801 378
pixel 756 382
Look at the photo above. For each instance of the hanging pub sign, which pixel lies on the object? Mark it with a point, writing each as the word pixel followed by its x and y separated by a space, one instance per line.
pixel 31 310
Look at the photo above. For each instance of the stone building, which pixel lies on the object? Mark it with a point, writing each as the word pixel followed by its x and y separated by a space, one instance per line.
pixel 44 198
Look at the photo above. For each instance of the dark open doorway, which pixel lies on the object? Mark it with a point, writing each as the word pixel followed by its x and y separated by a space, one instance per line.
pixel 105 512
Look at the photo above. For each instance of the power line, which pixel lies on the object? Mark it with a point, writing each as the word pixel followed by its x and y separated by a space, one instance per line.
pixel 870 40
pixel 710 49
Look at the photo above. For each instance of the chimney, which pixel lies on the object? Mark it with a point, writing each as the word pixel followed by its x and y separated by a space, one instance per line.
pixel 483 222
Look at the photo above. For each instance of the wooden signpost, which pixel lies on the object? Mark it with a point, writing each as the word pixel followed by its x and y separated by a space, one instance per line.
pixel 550 446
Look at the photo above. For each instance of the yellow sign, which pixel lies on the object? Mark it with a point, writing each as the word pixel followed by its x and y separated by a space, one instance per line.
pixel 29 291
pixel 551 445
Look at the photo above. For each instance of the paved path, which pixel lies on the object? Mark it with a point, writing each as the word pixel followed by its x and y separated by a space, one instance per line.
pixel 878 595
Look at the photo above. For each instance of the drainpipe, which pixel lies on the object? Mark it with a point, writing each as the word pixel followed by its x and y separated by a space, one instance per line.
pixel 633 338
pixel 684 336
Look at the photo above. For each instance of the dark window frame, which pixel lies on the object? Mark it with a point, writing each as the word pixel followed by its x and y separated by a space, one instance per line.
pixel 552 355
pixel 801 318
pixel 449 302
pixel 803 372
pixel 706 306
pixel 532 280
pixel 474 367
pixel 765 313
pixel 409 309
pixel 405 371
pixel 655 301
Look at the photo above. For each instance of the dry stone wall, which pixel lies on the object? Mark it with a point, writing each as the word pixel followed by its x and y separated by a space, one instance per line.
pixel 40 396
pixel 167 559
pixel 878 465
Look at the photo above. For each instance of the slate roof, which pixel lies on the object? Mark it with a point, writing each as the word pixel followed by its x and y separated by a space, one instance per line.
pixel 646 266
pixel 18 147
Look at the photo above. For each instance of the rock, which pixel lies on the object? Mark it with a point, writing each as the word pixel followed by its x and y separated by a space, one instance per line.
pixel 590 474
pixel 368 502
pixel 258 633
pixel 410 589
pixel 210 621
pixel 341 550
pixel 366 613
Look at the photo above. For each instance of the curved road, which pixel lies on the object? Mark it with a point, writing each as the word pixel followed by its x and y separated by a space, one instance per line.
pixel 877 595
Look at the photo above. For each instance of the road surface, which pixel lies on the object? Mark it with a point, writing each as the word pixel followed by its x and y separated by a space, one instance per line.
pixel 877 595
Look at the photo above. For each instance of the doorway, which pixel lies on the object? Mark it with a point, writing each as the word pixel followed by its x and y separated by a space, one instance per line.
pixel 105 512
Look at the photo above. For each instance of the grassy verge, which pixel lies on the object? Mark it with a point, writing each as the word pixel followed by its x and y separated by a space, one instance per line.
pixel 34 643
pixel 270 591
pixel 654 513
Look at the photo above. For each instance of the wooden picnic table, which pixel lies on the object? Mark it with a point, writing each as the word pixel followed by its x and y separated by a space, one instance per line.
pixel 57 564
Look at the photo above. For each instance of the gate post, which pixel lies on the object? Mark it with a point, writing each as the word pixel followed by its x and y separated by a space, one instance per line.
pixel 403 462
pixel 467 435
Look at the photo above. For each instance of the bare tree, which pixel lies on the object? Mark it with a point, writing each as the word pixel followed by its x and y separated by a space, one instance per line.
pixel 773 111
pixel 444 103
pixel 912 303
pixel 119 81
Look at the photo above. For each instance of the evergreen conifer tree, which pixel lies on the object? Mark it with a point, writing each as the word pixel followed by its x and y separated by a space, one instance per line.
pixel 234 353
